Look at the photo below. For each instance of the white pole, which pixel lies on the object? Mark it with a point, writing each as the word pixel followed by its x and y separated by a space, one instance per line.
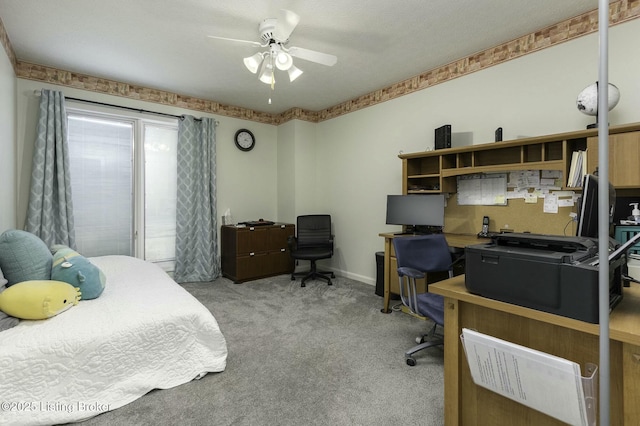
pixel 603 208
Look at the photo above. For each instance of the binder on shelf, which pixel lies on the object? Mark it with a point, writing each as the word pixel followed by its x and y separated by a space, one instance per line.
pixel 577 169
pixel 543 382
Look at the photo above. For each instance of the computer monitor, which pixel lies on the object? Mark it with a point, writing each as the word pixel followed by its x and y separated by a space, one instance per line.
pixel 588 207
pixel 416 210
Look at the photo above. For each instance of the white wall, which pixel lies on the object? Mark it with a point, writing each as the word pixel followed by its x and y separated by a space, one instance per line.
pixel 286 172
pixel 7 143
pixel 246 181
pixel 357 163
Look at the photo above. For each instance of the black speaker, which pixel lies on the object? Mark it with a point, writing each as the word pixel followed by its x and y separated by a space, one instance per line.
pixel 380 273
pixel 443 137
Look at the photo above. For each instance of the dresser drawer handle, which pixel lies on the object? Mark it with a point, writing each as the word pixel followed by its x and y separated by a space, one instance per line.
pixel 283 249
pixel 252 254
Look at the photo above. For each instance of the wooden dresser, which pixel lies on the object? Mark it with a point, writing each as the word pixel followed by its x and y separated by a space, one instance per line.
pixel 253 252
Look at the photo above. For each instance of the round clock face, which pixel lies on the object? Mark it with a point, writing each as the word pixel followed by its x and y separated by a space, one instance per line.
pixel 245 140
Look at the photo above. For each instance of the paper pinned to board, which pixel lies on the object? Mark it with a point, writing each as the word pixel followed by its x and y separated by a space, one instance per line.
pixel 541 381
pixel 488 189
pixel 550 203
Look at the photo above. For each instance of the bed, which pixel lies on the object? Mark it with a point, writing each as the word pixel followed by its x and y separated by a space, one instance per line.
pixel 144 332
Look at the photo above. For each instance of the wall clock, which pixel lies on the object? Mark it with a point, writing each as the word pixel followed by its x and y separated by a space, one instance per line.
pixel 244 139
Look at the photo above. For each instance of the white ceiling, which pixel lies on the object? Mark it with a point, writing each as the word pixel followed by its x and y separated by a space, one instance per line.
pixel 163 44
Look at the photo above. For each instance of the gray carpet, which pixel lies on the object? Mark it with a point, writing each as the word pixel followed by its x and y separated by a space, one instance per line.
pixel 319 355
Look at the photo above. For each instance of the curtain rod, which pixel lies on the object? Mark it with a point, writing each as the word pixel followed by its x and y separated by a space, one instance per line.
pixel 142 111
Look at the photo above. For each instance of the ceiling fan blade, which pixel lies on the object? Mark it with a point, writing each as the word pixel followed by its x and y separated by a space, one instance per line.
pixel 313 56
pixel 287 22
pixel 253 43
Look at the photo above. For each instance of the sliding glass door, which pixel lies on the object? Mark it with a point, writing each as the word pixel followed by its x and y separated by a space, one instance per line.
pixel 123 180
pixel 160 189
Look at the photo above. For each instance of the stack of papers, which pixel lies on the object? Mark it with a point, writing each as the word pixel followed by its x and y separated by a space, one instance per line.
pixel 541 381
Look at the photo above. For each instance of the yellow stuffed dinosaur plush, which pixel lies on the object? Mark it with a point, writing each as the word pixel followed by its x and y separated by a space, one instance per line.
pixel 38 299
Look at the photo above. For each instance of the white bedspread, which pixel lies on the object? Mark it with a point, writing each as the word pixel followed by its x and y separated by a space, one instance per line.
pixel 144 332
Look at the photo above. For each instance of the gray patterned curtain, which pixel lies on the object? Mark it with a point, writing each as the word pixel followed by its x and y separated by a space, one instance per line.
pixel 196 230
pixel 50 210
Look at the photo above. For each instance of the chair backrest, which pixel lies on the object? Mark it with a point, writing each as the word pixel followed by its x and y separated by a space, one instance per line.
pixel 426 253
pixel 314 230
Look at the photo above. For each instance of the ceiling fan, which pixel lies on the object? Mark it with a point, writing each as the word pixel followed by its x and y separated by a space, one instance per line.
pixel 275 33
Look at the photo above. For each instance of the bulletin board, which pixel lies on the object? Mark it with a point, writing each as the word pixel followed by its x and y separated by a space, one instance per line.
pixel 520 201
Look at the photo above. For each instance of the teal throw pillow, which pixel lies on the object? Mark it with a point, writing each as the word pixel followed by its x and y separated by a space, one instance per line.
pixel 24 257
pixel 71 267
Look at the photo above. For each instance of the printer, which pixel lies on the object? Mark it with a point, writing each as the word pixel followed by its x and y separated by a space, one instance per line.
pixel 550 273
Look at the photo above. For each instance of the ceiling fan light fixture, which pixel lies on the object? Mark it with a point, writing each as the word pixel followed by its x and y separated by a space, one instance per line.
pixel 284 61
pixel 294 72
pixel 253 62
pixel 266 77
pixel 275 33
pixel 266 74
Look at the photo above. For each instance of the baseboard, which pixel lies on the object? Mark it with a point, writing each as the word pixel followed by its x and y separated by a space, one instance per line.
pixel 357 277
pixel 340 273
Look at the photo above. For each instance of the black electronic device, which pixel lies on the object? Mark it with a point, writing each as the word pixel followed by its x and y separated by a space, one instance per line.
pixel 416 210
pixel 588 208
pixel 550 273
pixel 484 231
pixel 443 137
pixel 260 222
pixel 498 135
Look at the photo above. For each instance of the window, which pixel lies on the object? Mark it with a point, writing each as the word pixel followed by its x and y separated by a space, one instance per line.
pixel 123 181
pixel 161 165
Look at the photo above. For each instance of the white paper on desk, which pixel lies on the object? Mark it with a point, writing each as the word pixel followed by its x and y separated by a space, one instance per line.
pixel 536 379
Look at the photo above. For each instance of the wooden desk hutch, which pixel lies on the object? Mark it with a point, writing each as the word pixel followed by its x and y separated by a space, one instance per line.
pixel 437 171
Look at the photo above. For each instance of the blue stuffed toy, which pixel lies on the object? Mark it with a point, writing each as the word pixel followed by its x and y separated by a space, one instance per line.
pixel 69 266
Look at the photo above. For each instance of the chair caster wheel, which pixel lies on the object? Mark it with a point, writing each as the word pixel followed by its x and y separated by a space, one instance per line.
pixel 303 285
pixel 419 340
pixel 329 283
pixel 333 275
pixel 293 278
pixel 411 362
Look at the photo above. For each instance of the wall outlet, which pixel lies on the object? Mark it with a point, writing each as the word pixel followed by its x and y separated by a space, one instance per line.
pixel 573 216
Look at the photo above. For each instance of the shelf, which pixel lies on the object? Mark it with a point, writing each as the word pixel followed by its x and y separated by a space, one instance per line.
pixel 436 171
pixel 497 168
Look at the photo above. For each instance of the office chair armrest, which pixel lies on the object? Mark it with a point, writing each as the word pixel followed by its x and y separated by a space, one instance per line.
pixel 292 242
pixel 326 244
pixel 410 272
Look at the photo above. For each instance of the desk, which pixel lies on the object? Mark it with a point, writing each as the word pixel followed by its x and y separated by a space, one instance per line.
pixel 391 264
pixel 468 404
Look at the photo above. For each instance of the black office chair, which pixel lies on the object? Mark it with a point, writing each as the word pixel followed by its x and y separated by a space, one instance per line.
pixel 416 256
pixel 313 242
